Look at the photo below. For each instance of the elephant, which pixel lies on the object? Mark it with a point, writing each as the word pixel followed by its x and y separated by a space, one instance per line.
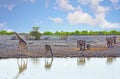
pixel 110 41
pixel 81 44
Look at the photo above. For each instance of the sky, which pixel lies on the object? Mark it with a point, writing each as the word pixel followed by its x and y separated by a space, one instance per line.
pixel 59 15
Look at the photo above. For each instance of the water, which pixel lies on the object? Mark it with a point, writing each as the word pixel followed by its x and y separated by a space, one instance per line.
pixel 60 68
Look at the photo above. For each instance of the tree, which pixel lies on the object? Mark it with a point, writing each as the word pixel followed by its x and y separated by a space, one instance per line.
pixel 84 32
pixel 35 33
pixel 4 32
pixel 48 33
pixel 77 32
pixel 57 33
pixel 63 33
pixel 113 32
pixel 35 28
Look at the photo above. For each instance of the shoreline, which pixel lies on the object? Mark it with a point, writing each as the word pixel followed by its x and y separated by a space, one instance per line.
pixel 109 52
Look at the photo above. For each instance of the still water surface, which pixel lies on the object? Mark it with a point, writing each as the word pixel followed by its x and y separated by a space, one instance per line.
pixel 60 68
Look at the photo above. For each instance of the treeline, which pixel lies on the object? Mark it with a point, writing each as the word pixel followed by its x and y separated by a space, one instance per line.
pixel 77 32
pixel 4 32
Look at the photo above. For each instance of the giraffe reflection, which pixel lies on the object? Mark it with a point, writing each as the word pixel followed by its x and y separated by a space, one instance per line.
pixel 22 65
pixel 81 61
pixel 110 60
pixel 48 63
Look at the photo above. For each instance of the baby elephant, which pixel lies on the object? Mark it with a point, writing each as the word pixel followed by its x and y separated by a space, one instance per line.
pixel 88 46
pixel 114 39
pixel 48 48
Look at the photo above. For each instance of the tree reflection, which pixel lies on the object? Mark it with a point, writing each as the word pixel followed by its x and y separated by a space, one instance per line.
pixel 110 60
pixel 88 58
pixel 81 61
pixel 22 65
pixel 35 60
pixel 48 63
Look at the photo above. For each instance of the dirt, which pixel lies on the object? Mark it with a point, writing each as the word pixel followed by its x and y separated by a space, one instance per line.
pixel 60 48
pixel 58 51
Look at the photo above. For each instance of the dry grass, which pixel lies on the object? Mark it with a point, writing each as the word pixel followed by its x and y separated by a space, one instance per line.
pixel 93 48
pixel 97 49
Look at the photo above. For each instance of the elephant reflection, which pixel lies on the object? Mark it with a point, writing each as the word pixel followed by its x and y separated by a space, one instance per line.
pixel 81 61
pixel 48 63
pixel 110 60
pixel 22 65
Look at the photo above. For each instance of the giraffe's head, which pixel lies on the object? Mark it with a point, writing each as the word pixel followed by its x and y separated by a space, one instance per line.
pixel 14 32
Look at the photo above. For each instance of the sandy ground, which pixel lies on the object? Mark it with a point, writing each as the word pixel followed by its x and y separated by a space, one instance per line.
pixel 60 48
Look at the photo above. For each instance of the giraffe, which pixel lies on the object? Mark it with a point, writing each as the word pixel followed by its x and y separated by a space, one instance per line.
pixel 21 44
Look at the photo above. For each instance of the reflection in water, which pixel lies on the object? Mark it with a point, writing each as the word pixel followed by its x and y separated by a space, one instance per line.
pixel 88 58
pixel 35 60
pixel 81 61
pixel 0 58
pixel 48 63
pixel 22 65
pixel 25 68
pixel 110 60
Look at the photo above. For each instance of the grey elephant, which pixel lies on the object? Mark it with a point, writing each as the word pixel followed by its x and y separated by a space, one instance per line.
pixel 81 44
pixel 114 38
pixel 110 41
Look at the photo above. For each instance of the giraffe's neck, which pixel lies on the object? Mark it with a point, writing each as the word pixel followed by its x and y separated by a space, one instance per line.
pixel 19 38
